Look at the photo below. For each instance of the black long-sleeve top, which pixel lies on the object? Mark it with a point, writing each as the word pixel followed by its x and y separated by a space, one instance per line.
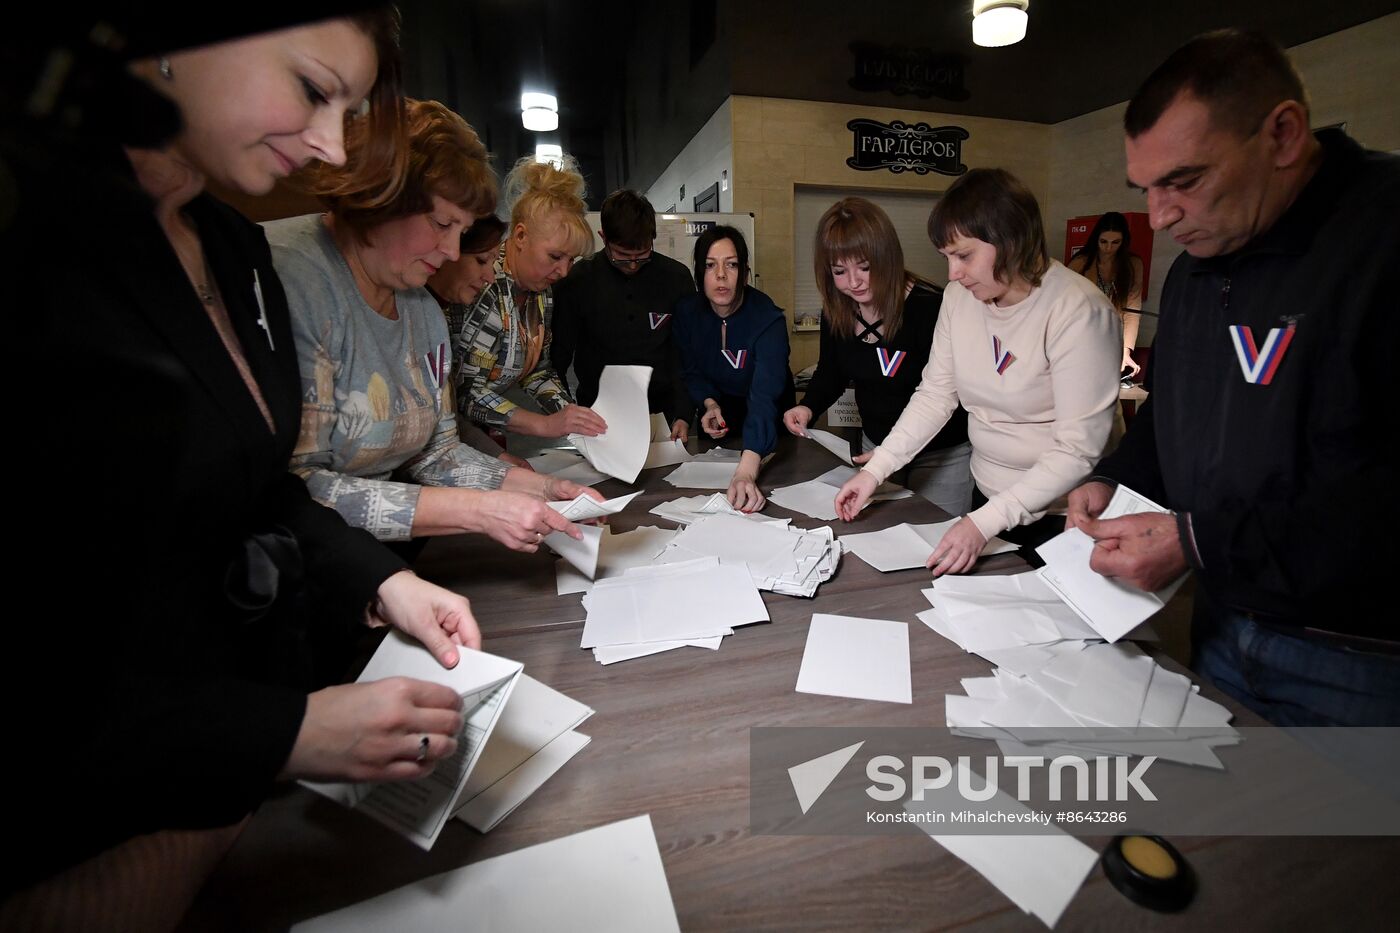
pixel 885 373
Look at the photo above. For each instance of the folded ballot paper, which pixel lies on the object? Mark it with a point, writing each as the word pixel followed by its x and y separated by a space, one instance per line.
pixel 617 553
pixel 685 510
pixel 607 878
pixel 516 733
pixel 817 497
pixel 582 553
pixel 1113 608
pixel 903 547
pixel 787 560
pixel 837 446
pixel 1058 687
pixel 622 449
pixel 663 451
pixel 419 809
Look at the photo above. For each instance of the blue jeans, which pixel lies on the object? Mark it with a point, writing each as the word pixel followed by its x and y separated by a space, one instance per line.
pixel 943 477
pixel 1288 680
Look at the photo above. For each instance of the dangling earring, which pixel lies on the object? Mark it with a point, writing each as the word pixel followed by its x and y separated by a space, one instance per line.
pixel 164 66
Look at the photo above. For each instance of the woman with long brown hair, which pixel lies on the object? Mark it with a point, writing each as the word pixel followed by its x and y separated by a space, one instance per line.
pixel 1107 260
pixel 876 330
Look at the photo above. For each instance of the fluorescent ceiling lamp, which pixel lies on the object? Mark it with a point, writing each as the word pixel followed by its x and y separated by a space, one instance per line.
pixel 539 112
pixel 999 22
pixel 548 152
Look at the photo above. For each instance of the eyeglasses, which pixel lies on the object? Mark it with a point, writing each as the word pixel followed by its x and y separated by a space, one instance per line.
pixel 635 263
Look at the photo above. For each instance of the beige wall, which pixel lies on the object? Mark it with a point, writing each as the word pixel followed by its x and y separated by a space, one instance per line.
pixel 1351 76
pixel 699 165
pixel 780 144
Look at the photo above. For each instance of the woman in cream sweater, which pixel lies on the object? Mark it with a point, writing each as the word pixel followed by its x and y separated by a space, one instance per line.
pixel 1029 349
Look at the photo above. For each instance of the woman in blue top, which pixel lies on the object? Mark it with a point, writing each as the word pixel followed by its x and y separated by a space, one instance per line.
pixel 734 356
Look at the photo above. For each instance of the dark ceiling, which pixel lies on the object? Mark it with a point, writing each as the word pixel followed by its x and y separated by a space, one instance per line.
pixel 1078 56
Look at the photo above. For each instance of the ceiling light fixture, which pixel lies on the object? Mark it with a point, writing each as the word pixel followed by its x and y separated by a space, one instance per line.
pixel 539 112
pixel 548 152
pixel 997 23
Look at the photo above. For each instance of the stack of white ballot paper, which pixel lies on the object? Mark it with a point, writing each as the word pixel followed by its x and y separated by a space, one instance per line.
pixel 609 878
pixel 1054 673
pixel 647 610
pixel 1111 607
pixel 616 555
pixel 1040 873
pixel 903 547
pixel 787 560
pixel 582 553
pixel 621 450
pixel 419 809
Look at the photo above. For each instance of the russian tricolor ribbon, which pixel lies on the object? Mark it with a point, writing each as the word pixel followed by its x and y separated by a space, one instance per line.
pixel 889 362
pixel 437 364
pixel 735 357
pixel 1002 358
pixel 657 319
pixel 1260 363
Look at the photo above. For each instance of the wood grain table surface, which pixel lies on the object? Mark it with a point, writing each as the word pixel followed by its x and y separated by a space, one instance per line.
pixel 671 738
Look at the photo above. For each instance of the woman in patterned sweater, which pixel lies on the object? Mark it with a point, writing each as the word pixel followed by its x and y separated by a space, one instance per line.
pixel 379 437
pixel 505 336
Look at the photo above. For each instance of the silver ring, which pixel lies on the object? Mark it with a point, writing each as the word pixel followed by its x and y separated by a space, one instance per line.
pixel 539 536
pixel 422 749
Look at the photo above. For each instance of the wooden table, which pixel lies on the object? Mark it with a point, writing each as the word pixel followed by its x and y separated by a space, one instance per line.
pixel 670 738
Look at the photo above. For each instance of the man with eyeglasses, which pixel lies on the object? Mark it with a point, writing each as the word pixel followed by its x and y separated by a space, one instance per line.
pixel 615 308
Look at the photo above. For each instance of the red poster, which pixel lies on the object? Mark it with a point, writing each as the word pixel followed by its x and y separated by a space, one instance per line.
pixel 1077 231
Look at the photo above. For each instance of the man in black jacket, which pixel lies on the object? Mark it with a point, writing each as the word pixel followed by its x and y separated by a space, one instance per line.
pixel 1271 388
pixel 616 308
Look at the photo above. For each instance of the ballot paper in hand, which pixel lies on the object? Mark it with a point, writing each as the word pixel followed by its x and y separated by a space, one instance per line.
pixel 836 478
pixel 584 507
pixel 617 553
pixel 903 547
pixel 609 878
pixel 621 450
pixel 581 553
pixel 419 809
pixel 1112 607
pixel 837 446
pixel 702 473
pixel 566 464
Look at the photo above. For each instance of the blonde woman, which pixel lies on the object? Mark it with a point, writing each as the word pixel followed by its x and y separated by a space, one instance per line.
pixel 504 339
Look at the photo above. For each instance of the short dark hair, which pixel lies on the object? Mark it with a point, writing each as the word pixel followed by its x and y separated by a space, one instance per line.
pixel 709 238
pixel 994 206
pixel 1240 75
pixel 629 221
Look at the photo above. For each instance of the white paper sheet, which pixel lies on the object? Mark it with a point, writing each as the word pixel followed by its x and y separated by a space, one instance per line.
pixel 566 464
pixel 611 654
pixel 617 553
pixel 836 478
pixel 581 553
pixel 609 878
pixel 1039 873
pixel 419 809
pixel 810 498
pixel 583 506
pixel 536 715
pixel 687 509
pixel 837 446
pixel 621 450
pixel 1113 608
pixel 660 429
pixel 665 453
pixel 866 659
pixel 676 602
pixel 700 473
pixel 485 811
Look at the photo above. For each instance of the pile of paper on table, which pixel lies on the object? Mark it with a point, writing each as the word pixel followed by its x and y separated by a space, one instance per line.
pixel 608 878
pixel 1058 687
pixel 537 740
pixel 711 470
pixel 648 610
pixel 617 553
pixel 786 560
